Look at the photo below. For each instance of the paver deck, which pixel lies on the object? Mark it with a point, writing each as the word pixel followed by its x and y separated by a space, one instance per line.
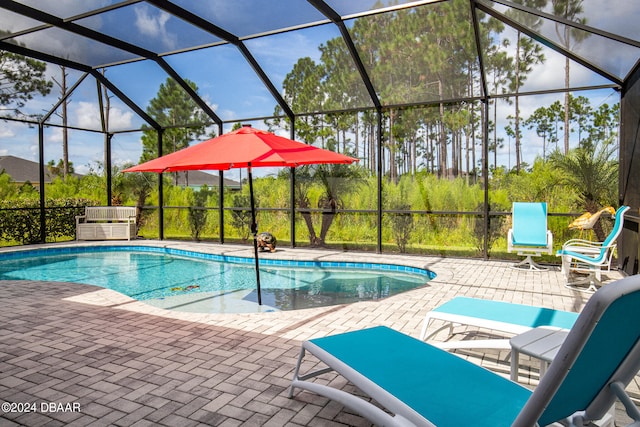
pixel 74 354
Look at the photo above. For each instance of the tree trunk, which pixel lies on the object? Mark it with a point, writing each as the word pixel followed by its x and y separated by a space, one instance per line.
pixel 567 131
pixel 308 220
pixel 65 131
pixel 443 137
pixel 327 220
pixel 393 172
pixel 495 135
pixel 516 126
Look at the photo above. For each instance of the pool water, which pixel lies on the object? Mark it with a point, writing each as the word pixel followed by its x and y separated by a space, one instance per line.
pixel 196 282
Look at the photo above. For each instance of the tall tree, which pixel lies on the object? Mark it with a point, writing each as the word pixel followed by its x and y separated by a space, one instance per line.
pixel 570 38
pixel 59 168
pixel 542 122
pixel 21 78
pixel 499 69
pixel 528 53
pixel 302 88
pixel 105 114
pixel 445 47
pixel 556 113
pixel 604 126
pixel 183 120
pixel 62 85
pixel 580 113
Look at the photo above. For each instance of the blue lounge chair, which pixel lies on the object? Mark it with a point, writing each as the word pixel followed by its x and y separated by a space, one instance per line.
pixel 421 385
pixel 584 256
pixel 528 234
pixel 510 318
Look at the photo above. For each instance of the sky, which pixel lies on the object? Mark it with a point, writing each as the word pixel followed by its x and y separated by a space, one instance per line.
pixel 229 85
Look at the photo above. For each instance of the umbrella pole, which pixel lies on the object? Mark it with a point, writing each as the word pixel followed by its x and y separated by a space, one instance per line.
pixel 254 230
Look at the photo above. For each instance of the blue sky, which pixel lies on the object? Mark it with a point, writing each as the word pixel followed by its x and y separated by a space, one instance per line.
pixel 225 80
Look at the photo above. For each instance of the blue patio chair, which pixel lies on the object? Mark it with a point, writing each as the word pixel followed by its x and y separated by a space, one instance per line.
pixel 584 256
pixel 528 234
pixel 418 384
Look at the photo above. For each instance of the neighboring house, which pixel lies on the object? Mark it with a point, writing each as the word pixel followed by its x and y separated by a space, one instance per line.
pixel 196 179
pixel 23 170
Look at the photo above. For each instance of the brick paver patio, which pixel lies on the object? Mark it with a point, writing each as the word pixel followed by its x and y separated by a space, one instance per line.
pixel 78 355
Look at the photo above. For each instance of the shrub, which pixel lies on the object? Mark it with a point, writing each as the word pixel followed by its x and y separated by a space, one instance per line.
pixel 197 213
pixel 20 219
pixel 496 230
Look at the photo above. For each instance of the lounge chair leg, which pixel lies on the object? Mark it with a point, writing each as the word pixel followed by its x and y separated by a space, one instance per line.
pixel 296 372
pixel 297 378
pixel 425 325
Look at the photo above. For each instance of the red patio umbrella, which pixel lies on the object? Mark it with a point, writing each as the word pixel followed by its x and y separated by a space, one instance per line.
pixel 244 148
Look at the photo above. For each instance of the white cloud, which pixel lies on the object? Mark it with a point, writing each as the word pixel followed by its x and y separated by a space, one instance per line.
pixel 7 132
pixel 119 119
pixel 88 116
pixel 17 139
pixel 227 115
pixel 54 135
pixel 154 26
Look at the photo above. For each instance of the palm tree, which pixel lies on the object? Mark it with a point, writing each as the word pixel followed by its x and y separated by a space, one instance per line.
pixel 591 171
pixel 336 180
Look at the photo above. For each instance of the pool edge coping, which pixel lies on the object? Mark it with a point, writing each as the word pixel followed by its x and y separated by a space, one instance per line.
pixel 204 251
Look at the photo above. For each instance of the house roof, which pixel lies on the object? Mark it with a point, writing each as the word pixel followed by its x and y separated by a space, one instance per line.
pixel 23 170
pixel 199 178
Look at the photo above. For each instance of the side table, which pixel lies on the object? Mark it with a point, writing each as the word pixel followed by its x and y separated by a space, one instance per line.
pixel 542 343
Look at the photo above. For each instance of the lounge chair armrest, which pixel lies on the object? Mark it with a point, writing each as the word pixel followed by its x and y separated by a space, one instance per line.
pixel 79 218
pixel 587 242
pixel 579 252
pixel 580 245
pixel 581 242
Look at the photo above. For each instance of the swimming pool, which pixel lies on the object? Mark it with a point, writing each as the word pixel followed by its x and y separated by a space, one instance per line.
pixel 198 282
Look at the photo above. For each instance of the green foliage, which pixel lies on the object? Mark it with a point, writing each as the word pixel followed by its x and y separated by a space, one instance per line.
pixel 241 218
pixel 21 224
pixel 198 215
pixel 174 108
pixel 591 173
pixel 402 224
pixel 495 231
pixel 27 191
pixel 335 181
pixel 20 219
pixel 21 78
pixel 7 187
pixel 57 169
pixel 540 183
pixel 134 189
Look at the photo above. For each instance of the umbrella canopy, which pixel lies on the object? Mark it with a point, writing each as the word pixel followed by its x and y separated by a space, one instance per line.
pixel 245 147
